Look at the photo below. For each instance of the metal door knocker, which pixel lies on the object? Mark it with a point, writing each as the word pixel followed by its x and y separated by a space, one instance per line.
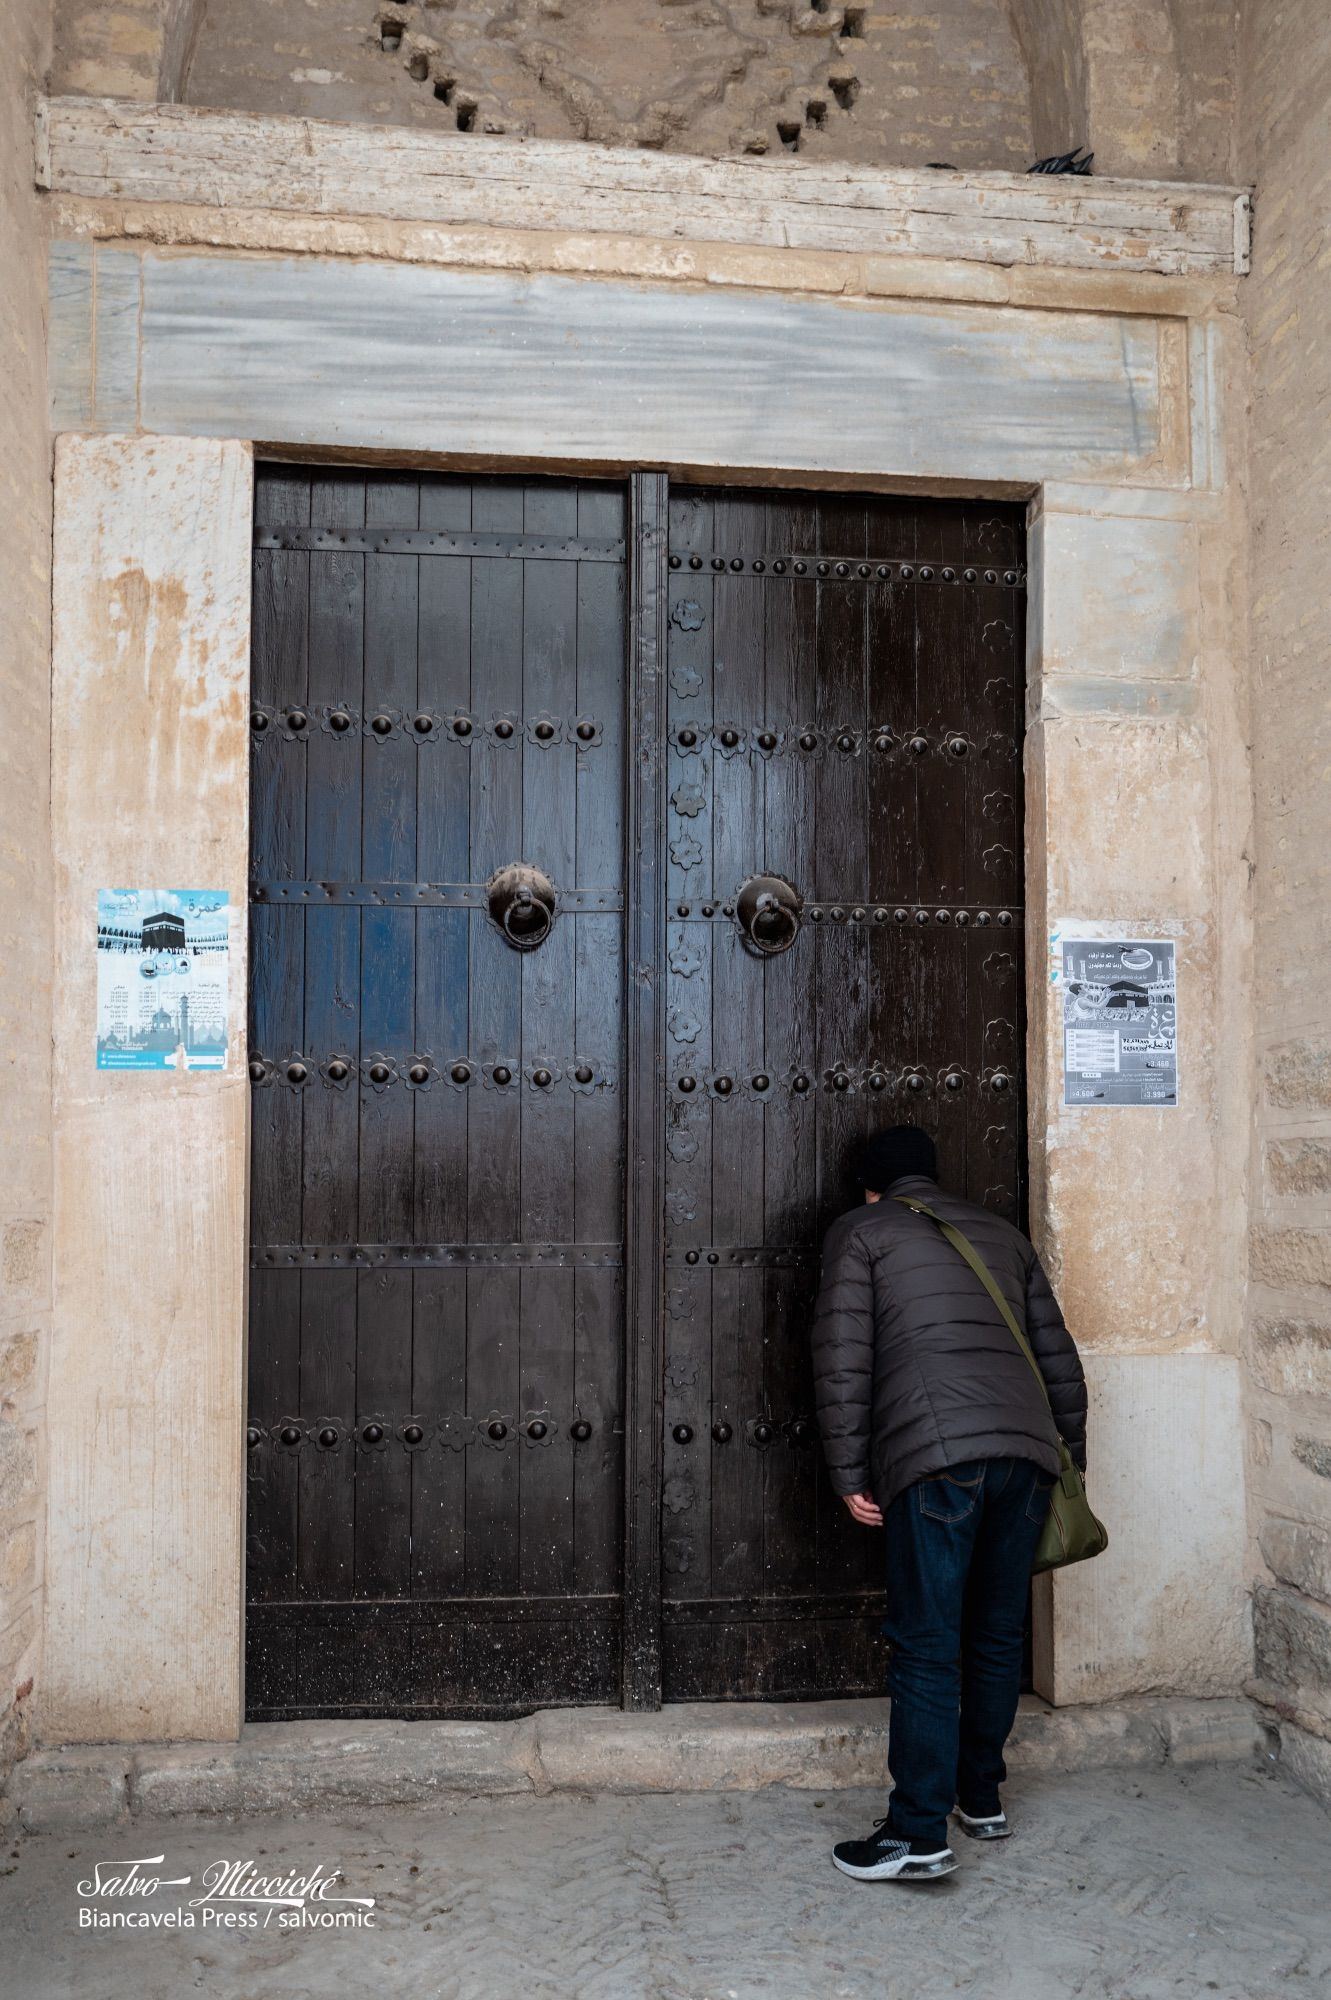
pixel 768 910
pixel 521 901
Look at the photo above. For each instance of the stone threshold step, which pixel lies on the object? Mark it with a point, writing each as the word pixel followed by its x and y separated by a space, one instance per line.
pixel 699 1746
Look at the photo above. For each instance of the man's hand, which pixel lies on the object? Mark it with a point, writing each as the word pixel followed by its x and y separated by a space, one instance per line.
pixel 865 1509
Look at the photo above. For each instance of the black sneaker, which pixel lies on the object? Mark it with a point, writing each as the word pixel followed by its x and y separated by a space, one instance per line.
pixel 886 1857
pixel 984 1826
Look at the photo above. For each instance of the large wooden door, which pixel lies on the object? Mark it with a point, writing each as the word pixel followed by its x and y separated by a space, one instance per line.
pixel 537 1193
pixel 845 711
pixel 436 1320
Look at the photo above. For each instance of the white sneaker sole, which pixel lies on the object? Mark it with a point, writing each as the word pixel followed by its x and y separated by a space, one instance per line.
pixel 908 1868
pixel 983 1829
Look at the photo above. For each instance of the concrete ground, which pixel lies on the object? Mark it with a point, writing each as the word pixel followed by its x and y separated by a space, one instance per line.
pixel 1118 1885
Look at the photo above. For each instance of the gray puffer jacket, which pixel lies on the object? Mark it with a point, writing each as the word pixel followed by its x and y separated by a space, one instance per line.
pixel 914 1367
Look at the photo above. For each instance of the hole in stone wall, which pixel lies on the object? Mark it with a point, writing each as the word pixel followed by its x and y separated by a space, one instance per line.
pixel 853 25
pixel 788 132
pixel 418 68
pixel 815 111
pixel 390 37
pixel 466 115
pixel 845 89
pixel 444 86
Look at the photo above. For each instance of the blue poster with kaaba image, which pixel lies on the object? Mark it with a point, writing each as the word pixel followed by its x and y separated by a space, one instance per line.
pixel 162 978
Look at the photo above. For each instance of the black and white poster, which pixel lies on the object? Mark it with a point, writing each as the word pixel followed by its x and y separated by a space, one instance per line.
pixel 1120 1019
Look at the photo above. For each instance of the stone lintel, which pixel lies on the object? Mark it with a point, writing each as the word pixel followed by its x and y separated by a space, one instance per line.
pixel 172 152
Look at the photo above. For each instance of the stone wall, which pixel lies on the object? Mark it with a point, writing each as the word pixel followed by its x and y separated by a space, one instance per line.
pixel 867 83
pixel 137 49
pixel 977 83
pixel 1286 71
pixel 25 885
pixel 1148 84
pixel 1205 41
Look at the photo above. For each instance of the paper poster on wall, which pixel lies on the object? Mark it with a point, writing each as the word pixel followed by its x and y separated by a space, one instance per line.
pixel 1120 1019
pixel 162 965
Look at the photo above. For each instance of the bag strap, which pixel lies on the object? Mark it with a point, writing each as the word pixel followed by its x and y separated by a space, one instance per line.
pixel 965 1248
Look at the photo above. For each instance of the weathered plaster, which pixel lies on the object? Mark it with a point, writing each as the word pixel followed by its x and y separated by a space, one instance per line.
pixel 150 788
pixel 1167 1605
pixel 25 875
pixel 1286 84
pixel 136 49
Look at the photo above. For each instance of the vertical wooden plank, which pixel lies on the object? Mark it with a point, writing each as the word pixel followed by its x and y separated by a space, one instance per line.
pixel 442 1110
pixel 336 684
pixel 330 1162
pixel 598 1035
pixel 1016 1110
pixel 789 668
pixel 279 684
pixel 276 1031
pixel 598 1463
pixel 387 1192
pixel 279 680
pixel 326 1557
pixel 996 1155
pixel 389 822
pixel 644 1246
pixel 549 999
pixel 841 1030
pixel 942 609
pixel 443 847
pixel 494 1306
pixel 388 844
pixel 273 1469
pixel 841 870
pixel 893 714
pixel 439 1392
pixel 494 1157
pixel 737 1319
pixel 383 1478
pixel 545 1466
pixel 693 659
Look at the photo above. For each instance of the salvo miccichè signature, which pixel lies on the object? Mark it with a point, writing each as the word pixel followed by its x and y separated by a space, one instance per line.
pixel 232 1895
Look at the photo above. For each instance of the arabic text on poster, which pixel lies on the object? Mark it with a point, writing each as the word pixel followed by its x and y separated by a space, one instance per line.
pixel 1120 1020
pixel 162 965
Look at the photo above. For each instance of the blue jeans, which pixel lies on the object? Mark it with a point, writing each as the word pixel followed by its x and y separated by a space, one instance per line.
pixel 959 1553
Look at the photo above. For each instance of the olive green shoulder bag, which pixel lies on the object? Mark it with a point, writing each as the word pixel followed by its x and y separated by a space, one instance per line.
pixel 1072 1533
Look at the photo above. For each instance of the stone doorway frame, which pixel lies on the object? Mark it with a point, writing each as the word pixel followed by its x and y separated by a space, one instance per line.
pixel 1135 768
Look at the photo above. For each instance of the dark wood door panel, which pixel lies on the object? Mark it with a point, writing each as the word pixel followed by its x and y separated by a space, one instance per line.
pixel 436 1342
pixel 845 709
pixel 454 1341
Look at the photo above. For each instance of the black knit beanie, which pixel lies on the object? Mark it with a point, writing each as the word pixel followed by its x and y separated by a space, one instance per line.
pixel 901 1149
